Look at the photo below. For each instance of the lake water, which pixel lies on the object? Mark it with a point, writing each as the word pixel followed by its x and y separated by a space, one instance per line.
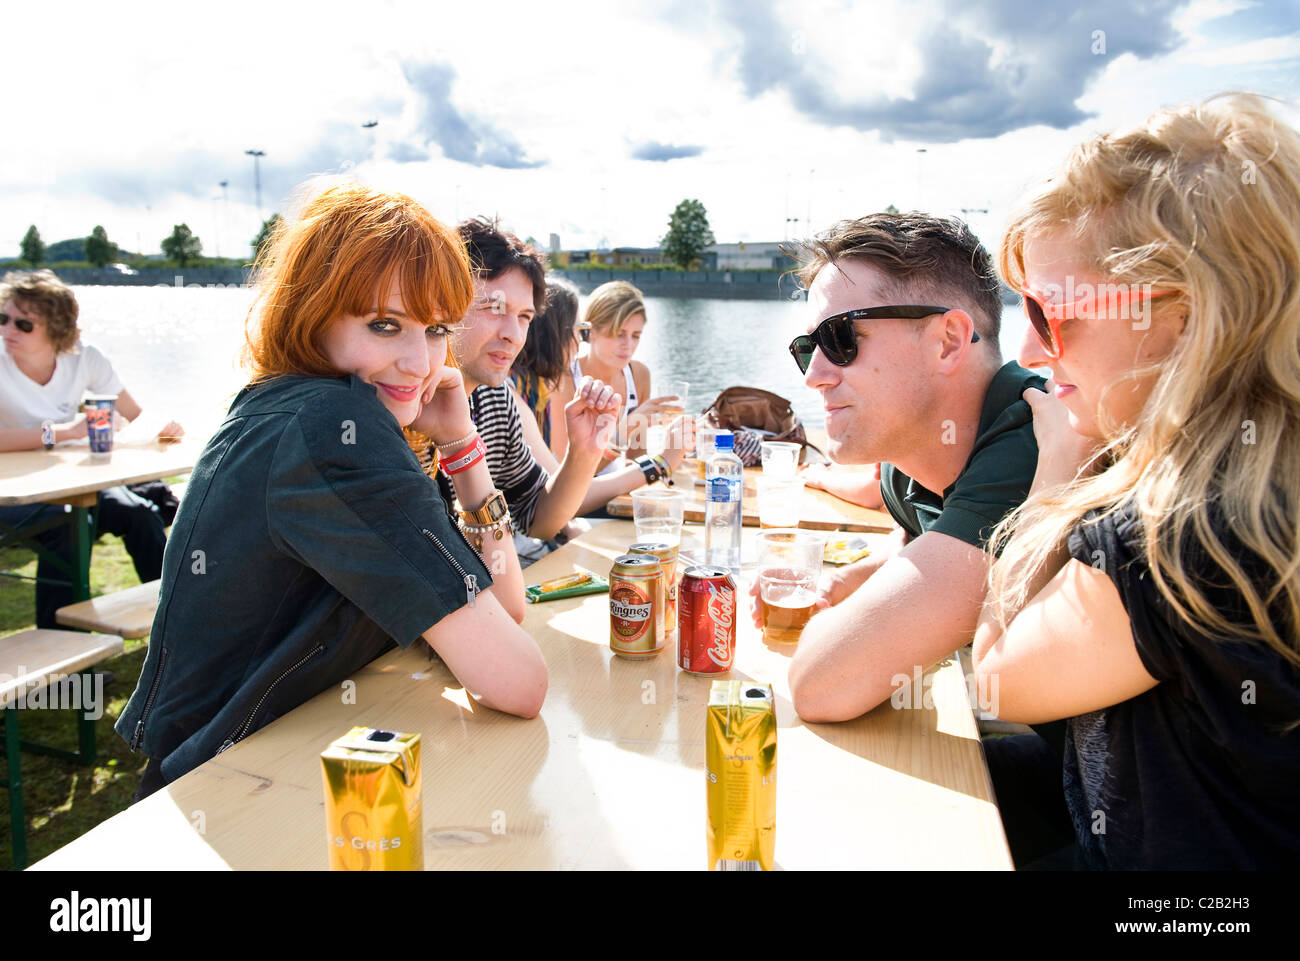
pixel 177 349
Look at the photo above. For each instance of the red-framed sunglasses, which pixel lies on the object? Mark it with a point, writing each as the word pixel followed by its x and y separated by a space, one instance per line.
pixel 1046 317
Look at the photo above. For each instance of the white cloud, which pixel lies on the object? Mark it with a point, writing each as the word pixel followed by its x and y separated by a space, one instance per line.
pixel 150 106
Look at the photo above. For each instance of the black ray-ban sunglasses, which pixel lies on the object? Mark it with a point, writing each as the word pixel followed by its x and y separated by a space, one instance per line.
pixel 839 341
pixel 26 326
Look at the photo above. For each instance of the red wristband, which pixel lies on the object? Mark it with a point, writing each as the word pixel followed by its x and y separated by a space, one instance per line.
pixel 467 459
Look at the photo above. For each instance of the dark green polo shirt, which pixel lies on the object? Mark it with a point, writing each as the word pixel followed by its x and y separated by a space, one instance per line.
pixel 994 481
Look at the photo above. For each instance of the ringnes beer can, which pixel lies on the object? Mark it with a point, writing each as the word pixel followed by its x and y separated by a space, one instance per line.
pixel 740 770
pixel 706 637
pixel 373 811
pixel 667 554
pixel 636 606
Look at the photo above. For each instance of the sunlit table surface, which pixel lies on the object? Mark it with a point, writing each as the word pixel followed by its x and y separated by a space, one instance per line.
pixel 70 469
pixel 611 775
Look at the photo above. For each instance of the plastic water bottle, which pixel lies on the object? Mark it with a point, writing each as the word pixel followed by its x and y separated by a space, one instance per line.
pixel 722 508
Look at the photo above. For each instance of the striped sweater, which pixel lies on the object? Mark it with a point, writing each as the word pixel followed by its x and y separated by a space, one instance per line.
pixel 510 461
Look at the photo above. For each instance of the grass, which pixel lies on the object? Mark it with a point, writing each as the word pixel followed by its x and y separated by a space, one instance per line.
pixel 63 800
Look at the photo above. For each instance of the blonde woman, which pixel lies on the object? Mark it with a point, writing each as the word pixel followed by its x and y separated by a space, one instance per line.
pixel 616 315
pixel 1149 588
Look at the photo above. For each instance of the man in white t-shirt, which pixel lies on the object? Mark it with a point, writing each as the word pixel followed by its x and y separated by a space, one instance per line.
pixel 44 372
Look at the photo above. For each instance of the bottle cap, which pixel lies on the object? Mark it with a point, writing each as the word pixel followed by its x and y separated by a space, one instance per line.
pixel 725 440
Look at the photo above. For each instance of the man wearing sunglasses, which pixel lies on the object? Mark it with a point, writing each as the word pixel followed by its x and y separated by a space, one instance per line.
pixel 902 344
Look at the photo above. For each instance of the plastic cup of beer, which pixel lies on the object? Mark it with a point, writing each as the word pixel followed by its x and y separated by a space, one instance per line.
pixel 704 449
pixel 779 501
pixel 679 391
pixel 789 563
pixel 780 459
pixel 658 515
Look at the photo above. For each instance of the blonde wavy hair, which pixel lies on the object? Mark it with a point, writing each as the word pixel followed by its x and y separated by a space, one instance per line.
pixel 1203 201
pixel 610 306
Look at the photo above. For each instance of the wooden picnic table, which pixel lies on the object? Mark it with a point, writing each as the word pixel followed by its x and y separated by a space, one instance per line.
pixel 819 510
pixel 70 474
pixel 610 775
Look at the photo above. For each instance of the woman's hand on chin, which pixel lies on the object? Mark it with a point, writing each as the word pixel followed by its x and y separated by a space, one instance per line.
pixel 445 414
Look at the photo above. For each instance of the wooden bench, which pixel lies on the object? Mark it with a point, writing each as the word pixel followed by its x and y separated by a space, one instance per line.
pixel 127 613
pixel 43 660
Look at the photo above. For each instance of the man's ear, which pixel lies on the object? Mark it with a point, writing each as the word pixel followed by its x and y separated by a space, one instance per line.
pixel 953 332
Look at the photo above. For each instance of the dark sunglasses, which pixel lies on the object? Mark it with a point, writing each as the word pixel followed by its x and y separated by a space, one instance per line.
pixel 26 326
pixel 839 341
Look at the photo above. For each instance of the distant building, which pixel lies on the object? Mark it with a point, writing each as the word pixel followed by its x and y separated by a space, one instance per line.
pixel 568 258
pixel 748 255
pixel 641 256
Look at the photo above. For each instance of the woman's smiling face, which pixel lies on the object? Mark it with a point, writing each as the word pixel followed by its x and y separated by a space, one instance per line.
pixel 396 353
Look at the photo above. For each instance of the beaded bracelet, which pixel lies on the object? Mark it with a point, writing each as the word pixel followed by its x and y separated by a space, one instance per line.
pixel 458 443
pixel 499 529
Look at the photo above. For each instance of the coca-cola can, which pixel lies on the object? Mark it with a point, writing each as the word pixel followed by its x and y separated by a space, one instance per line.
pixel 706 618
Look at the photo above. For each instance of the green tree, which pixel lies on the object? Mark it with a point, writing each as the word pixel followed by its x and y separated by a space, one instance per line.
pixel 99 249
pixel 182 246
pixel 268 231
pixel 891 209
pixel 688 234
pixel 33 246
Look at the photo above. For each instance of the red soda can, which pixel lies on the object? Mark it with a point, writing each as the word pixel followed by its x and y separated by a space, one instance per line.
pixel 706 612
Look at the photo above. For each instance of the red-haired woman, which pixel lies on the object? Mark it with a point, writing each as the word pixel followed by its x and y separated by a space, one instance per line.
pixel 310 540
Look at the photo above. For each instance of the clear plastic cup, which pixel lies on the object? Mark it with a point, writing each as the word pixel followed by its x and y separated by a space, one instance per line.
pixel 789 563
pixel 704 449
pixel 780 501
pixel 658 515
pixel 780 458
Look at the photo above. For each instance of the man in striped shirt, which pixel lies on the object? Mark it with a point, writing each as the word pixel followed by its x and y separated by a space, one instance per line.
pixel 510 289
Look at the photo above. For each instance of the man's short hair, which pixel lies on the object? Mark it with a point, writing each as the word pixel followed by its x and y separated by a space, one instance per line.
pixel 41 293
pixel 493 251
pixel 932 260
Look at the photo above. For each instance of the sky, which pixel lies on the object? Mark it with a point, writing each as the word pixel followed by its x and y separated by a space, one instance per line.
pixel 593 120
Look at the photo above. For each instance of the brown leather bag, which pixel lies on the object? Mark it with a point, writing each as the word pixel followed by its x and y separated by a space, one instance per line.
pixel 755 415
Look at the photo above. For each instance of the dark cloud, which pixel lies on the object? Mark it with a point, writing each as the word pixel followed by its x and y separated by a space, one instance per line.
pixel 961 93
pixel 459 135
pixel 653 150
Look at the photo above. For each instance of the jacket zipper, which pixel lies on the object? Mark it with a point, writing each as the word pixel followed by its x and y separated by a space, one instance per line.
pixel 242 730
pixel 138 736
pixel 471 581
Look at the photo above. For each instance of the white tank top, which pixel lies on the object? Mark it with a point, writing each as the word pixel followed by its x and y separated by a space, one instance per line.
pixel 629 384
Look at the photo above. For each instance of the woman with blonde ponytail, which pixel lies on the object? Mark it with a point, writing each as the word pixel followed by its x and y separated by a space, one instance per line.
pixel 1148 590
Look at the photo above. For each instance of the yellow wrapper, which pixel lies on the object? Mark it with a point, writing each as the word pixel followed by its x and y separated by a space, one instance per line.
pixel 740 769
pixel 373 811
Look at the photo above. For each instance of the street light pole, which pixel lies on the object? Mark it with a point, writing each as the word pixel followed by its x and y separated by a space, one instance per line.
pixel 257 176
pixel 221 214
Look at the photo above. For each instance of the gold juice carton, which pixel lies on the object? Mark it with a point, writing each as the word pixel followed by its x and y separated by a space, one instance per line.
pixel 373 807
pixel 740 769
